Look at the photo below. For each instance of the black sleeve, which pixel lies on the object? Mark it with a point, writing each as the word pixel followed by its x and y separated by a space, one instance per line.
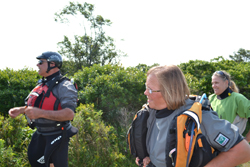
pixel 240 138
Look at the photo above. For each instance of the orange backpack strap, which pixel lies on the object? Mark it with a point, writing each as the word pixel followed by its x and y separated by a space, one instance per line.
pixel 183 136
pixel 188 124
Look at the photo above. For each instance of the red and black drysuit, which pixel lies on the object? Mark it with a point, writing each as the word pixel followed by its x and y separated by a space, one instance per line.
pixel 49 142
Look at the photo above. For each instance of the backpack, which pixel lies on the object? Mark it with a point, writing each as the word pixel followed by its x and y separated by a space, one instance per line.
pixel 186 145
pixel 136 135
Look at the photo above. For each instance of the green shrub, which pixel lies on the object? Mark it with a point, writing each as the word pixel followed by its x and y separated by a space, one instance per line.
pixel 199 74
pixel 6 155
pixel 110 88
pixel 15 87
pixel 95 144
pixel 14 140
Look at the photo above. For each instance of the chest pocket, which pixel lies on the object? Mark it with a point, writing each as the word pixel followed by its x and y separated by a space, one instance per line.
pixel 35 97
pixel 42 98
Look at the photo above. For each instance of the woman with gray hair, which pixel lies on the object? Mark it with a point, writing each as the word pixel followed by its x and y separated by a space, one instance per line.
pixel 228 102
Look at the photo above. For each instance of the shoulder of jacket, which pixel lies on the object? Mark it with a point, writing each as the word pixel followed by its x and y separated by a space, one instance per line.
pixel 145 106
pixel 238 95
pixel 206 105
pixel 212 96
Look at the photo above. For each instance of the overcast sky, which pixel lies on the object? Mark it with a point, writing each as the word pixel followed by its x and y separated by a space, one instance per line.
pixel 160 31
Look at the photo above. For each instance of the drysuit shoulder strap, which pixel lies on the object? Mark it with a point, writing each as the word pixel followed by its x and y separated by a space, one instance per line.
pixel 55 81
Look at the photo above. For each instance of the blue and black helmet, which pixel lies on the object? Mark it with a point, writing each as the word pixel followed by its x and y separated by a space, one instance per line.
pixel 51 57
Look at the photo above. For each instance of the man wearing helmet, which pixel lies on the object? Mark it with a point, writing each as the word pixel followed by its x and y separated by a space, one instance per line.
pixel 54 60
pixel 50 107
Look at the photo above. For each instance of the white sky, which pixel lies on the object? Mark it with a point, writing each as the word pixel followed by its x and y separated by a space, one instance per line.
pixel 159 31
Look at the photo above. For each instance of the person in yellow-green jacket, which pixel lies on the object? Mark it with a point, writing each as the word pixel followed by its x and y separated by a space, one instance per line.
pixel 228 102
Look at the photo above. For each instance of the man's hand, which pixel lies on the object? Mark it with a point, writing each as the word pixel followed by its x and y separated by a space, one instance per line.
pixel 14 112
pixel 32 112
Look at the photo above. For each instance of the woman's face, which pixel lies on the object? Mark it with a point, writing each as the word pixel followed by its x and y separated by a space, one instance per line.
pixel 155 99
pixel 219 85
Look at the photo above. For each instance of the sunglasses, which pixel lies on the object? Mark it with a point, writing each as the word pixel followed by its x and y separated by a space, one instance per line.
pixel 221 73
pixel 40 62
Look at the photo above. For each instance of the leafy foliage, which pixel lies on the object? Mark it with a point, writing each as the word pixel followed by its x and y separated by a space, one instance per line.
pixel 93 47
pixel 15 86
pixel 242 55
pixel 111 87
pixel 96 144
pixel 14 140
pixel 199 73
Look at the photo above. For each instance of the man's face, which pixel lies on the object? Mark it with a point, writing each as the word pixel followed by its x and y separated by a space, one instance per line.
pixel 43 66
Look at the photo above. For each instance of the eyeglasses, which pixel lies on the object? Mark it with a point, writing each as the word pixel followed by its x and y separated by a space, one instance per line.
pixel 40 62
pixel 221 73
pixel 150 90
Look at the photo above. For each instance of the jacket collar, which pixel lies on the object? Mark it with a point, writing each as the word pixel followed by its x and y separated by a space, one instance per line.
pixel 49 78
pixel 166 112
pixel 225 94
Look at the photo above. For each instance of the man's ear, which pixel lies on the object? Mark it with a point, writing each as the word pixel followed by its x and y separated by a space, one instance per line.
pixel 52 64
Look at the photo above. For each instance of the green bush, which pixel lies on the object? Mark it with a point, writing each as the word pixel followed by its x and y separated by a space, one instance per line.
pixel 110 88
pixel 15 87
pixel 6 155
pixel 95 144
pixel 199 74
pixel 14 140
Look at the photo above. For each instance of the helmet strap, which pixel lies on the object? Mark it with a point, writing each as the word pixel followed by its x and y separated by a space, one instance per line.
pixel 49 68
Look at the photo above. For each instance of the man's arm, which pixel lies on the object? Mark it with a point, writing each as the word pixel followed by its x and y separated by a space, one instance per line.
pixel 237 155
pixel 65 114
